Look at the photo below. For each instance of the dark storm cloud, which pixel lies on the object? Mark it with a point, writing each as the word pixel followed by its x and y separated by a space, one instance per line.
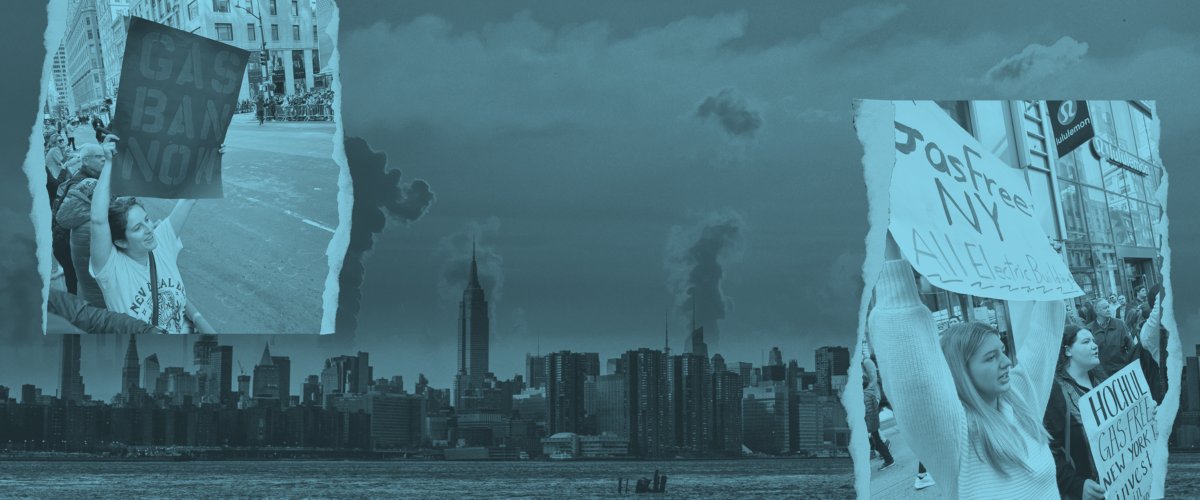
pixel 379 197
pixel 472 240
pixel 1037 61
pixel 696 259
pixel 732 112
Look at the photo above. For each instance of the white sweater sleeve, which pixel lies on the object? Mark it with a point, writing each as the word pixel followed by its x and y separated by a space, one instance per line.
pixel 915 374
pixel 1038 356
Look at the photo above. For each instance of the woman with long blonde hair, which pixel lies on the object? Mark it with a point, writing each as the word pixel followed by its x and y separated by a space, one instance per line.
pixel 971 415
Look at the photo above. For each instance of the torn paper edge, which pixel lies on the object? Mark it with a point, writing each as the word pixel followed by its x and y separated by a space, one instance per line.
pixel 341 238
pixel 1170 405
pixel 35 163
pixel 873 124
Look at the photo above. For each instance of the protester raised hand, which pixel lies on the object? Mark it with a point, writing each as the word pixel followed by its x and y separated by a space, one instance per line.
pixel 1092 491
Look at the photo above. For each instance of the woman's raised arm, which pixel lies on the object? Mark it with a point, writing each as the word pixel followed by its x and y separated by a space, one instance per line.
pixel 102 244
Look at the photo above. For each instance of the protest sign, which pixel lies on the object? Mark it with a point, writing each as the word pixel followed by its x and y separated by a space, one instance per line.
pixel 965 219
pixel 1120 433
pixel 177 96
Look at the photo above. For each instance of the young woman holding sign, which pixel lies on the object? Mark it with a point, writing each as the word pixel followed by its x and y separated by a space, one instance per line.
pixel 134 278
pixel 1078 372
pixel 969 414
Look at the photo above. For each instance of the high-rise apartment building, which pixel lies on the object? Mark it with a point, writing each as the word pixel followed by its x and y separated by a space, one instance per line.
pixel 71 381
pixel 831 362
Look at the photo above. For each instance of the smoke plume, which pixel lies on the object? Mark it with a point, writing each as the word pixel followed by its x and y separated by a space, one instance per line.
pixel 696 260
pixel 380 198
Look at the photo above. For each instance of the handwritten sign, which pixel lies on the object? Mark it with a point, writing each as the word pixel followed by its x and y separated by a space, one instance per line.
pixel 177 96
pixel 1117 422
pixel 965 219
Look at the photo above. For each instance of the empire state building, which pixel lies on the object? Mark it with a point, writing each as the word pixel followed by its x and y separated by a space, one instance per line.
pixel 472 337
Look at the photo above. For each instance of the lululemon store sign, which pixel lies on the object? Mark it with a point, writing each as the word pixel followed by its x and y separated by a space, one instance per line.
pixel 1071 124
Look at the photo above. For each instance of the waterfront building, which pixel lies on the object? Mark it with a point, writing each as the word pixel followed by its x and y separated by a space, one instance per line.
pixel 831 362
pixel 648 389
pixel 765 419
pixel 71 382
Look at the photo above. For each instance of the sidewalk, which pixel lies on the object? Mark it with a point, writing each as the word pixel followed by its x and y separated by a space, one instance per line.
pixel 896 483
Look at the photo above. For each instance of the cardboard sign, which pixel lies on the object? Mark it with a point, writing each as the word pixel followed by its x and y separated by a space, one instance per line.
pixel 1071 124
pixel 177 96
pixel 1120 433
pixel 965 219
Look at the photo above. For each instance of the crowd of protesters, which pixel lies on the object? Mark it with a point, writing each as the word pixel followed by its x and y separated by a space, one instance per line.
pixel 989 428
pixel 315 104
pixel 109 296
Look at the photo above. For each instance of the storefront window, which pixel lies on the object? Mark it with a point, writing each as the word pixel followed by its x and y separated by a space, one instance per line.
pixel 1122 221
pixel 1141 133
pixel 1096 208
pixel 1143 232
pixel 1068 168
pixel 1102 116
pixel 1150 183
pixel 1087 282
pixel 1043 199
pixel 1135 183
pixel 1114 181
pixel 1088 167
pixel 960 112
pixel 1072 207
pixel 1079 256
pixel 1106 268
pixel 1124 125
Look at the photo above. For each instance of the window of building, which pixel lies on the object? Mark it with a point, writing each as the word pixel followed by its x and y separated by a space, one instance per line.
pixel 88 20
pixel 960 111
pixel 296 32
pixel 274 11
pixel 275 32
pixel 193 10
pixel 295 8
pixel 1072 207
pixel 220 5
pixel 250 32
pixel 89 32
pixel 1043 201
pixel 224 31
pixel 1096 212
pixel 95 78
pixel 1122 221
pixel 314 34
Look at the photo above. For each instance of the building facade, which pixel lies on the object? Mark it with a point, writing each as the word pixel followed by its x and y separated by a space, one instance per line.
pixel 472 336
pixel 84 56
pixel 62 83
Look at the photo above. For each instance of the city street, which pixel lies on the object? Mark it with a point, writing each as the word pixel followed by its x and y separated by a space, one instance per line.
pixel 254 262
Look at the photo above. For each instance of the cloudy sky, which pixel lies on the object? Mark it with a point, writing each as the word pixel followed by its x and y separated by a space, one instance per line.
pixel 612 160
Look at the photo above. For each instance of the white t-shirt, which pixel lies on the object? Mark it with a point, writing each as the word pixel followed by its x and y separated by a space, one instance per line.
pixel 124 282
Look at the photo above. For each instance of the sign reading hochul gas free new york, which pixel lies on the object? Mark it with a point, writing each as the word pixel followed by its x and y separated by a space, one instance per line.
pixel 964 218
pixel 177 96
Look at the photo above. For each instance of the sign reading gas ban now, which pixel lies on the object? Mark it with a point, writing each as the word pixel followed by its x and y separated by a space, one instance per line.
pixel 965 219
pixel 1120 433
pixel 177 96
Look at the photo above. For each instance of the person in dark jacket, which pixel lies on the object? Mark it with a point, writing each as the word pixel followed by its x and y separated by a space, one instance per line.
pixel 1079 371
pixel 1114 340
pixel 72 217
pixel 79 314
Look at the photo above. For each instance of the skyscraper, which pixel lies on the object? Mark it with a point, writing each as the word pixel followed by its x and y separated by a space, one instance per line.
pixel 727 411
pixel 691 397
pixel 283 366
pixel 651 421
pixel 775 357
pixel 150 374
pixel 831 362
pixel 266 377
pixel 473 332
pixel 71 382
pixel 694 344
pixel 130 373
pixel 535 370
pixel 220 376
pixel 565 392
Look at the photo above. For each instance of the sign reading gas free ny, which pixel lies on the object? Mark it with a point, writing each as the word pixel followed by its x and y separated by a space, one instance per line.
pixel 1116 418
pixel 1071 124
pixel 965 219
pixel 177 96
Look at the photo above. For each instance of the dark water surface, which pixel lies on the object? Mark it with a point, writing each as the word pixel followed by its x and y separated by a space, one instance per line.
pixel 818 478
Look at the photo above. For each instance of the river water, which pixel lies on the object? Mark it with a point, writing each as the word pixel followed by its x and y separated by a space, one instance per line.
pixel 815 479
